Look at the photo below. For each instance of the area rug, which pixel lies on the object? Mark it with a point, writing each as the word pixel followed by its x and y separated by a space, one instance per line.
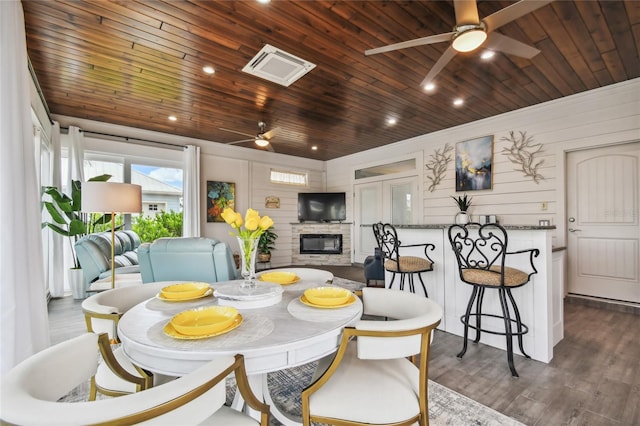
pixel 446 407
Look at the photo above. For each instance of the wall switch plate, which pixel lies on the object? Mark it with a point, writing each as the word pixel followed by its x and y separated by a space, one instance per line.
pixel 544 206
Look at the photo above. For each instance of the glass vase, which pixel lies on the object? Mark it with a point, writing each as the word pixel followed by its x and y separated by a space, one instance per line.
pixel 248 250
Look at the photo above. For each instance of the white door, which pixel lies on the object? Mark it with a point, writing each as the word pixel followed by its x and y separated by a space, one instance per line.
pixel 603 197
pixel 368 204
pixel 390 201
pixel 402 196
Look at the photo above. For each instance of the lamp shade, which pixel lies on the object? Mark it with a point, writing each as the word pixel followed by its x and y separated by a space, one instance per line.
pixel 111 197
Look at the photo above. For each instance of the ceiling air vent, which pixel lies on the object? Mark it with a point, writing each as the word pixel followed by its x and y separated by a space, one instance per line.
pixel 278 66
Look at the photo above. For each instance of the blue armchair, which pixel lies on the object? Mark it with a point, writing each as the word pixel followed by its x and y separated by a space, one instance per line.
pixel 186 259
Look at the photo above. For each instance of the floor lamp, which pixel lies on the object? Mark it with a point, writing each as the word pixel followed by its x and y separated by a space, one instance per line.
pixel 113 198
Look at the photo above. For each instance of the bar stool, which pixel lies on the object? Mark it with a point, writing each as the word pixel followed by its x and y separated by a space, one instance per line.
pixel 407 266
pixel 481 252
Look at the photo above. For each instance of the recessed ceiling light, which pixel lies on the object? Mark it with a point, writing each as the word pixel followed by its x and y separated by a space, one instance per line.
pixel 429 87
pixel 391 121
pixel 314 148
pixel 487 54
pixel 264 1
pixel 173 118
pixel 458 102
pixel 208 69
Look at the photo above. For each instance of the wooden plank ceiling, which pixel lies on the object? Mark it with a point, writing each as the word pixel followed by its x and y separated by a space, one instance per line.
pixel 134 63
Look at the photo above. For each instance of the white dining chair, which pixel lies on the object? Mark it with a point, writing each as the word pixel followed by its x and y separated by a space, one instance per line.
pixel 102 312
pixel 31 390
pixel 372 378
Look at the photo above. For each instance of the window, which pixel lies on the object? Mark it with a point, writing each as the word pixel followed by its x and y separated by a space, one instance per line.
pixel 387 169
pixel 161 187
pixel 289 178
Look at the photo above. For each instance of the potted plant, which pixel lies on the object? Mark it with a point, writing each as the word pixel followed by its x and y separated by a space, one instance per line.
pixel 266 244
pixel 463 202
pixel 69 221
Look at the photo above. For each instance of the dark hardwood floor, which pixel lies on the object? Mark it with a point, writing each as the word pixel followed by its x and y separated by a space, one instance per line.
pixel 593 379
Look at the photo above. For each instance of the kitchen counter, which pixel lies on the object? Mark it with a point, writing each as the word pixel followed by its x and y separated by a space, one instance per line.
pixel 447 225
pixel 539 301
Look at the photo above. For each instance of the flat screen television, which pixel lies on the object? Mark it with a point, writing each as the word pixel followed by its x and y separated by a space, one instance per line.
pixel 322 206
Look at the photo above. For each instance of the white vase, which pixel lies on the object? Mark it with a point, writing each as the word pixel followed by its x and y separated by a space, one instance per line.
pixel 76 283
pixel 248 250
pixel 462 218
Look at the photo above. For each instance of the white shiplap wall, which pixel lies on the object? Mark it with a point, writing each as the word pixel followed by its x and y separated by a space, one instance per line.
pixel 609 115
pixel 604 116
pixel 283 217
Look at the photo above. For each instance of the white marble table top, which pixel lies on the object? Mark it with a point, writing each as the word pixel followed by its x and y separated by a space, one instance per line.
pixel 272 338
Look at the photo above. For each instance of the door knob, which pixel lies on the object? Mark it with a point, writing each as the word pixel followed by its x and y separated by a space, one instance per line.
pixel 574 230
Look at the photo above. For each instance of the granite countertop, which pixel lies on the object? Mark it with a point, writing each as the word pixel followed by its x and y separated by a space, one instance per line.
pixel 447 225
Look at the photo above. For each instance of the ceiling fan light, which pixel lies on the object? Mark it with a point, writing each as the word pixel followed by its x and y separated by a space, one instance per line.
pixel 262 142
pixel 469 39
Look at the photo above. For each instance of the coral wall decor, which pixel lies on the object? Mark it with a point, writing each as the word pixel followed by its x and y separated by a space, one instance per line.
pixel 438 165
pixel 523 152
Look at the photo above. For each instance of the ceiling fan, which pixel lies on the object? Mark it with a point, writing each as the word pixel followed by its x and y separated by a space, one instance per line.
pixel 470 33
pixel 262 139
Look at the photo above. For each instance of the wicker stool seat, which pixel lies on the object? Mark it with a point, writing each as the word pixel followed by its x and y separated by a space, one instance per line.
pixel 395 260
pixel 481 253
pixel 409 264
pixel 512 277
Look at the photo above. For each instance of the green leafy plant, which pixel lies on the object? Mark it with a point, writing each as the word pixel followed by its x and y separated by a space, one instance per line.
pixel 463 202
pixel 163 224
pixel 65 214
pixel 267 242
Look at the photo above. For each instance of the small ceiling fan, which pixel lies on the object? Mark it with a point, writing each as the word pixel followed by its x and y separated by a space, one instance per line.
pixel 470 33
pixel 262 139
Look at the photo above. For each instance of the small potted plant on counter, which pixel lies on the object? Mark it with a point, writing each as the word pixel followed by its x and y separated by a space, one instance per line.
pixel 463 202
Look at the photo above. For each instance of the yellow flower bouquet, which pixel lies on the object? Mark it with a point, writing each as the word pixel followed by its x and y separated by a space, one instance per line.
pixel 248 232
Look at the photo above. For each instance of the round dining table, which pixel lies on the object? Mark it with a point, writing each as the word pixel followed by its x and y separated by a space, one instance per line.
pixel 271 338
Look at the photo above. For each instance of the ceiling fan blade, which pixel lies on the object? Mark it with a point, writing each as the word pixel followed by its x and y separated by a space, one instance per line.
pixel 271 133
pixel 235 131
pixel 512 12
pixel 411 43
pixel 270 148
pixel 466 12
pixel 508 45
pixel 446 57
pixel 242 141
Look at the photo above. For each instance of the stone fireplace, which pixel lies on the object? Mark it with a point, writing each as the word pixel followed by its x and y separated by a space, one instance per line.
pixel 321 243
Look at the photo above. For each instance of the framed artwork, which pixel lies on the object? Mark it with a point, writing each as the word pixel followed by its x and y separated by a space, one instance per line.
pixel 474 163
pixel 220 195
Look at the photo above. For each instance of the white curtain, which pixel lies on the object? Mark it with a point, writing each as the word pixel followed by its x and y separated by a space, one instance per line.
pixel 56 259
pixel 24 322
pixel 75 165
pixel 191 190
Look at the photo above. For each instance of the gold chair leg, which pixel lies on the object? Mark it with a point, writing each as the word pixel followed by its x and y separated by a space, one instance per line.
pixel 93 390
